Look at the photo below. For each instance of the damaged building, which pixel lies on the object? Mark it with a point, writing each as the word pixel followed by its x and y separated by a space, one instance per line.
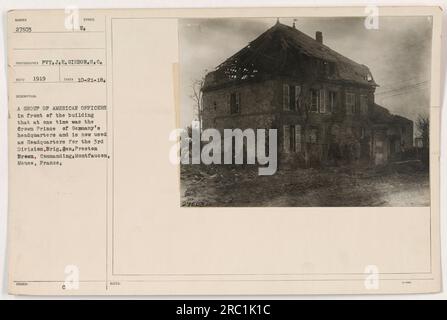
pixel 321 102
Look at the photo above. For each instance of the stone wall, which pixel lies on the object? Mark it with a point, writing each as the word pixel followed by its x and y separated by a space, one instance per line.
pixel 256 106
pixel 261 106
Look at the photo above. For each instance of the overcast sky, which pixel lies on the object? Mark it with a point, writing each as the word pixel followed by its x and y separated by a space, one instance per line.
pixel 398 53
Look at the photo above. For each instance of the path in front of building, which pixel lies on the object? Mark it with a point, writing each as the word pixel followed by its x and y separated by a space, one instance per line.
pixel 392 192
pixel 333 187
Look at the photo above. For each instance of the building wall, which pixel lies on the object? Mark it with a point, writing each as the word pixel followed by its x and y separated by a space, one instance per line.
pixel 262 105
pixel 336 127
pixel 381 146
pixel 256 107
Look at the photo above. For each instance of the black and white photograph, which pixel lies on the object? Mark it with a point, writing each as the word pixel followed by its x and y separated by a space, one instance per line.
pixel 305 111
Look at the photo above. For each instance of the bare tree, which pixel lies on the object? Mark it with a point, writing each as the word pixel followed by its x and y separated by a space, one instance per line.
pixel 196 96
pixel 423 128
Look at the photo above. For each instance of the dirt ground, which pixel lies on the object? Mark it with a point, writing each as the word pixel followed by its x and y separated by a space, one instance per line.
pixel 403 184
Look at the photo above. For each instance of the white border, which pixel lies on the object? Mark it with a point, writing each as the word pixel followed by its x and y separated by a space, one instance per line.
pixel 6 5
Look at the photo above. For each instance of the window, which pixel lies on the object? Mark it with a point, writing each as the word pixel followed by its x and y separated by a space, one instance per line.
pixel 332 101
pixel 294 93
pixel 297 138
pixel 297 97
pixel 286 138
pixel 318 100
pixel 326 67
pixel 292 138
pixel 314 100
pixel 285 97
pixel 350 103
pixel 235 102
pixel 329 68
pixel 290 97
pixel 363 104
pixel 313 136
pixel 322 101
pixel 356 107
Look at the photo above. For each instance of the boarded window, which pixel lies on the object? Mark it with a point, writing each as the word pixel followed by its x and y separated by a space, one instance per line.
pixel 235 102
pixel 285 97
pixel 314 100
pixel 322 101
pixel 350 103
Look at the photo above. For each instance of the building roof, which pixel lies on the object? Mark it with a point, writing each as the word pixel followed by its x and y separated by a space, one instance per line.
pixel 381 115
pixel 282 50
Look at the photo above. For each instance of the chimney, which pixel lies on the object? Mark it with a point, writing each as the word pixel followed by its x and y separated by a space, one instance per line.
pixel 319 36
